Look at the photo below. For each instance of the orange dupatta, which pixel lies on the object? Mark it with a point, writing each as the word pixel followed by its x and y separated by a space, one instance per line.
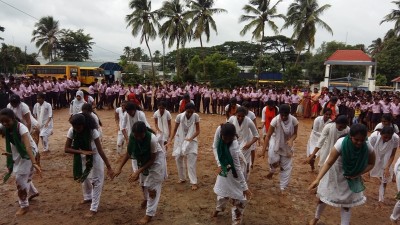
pixel 269 115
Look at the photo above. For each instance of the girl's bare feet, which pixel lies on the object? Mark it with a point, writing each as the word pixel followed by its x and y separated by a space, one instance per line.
pixel 33 196
pixel 143 204
pixel 90 214
pixel 313 221
pixel 194 187
pixel 83 202
pixel 181 181
pixel 215 213
pixel 145 220
pixel 22 211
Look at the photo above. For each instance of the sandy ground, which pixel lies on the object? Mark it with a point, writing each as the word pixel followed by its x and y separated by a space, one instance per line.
pixel 120 201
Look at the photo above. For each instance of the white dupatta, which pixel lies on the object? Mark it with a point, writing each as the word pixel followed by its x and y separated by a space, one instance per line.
pixel 181 146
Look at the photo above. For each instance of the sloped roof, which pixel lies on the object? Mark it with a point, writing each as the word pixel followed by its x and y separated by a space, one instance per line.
pixel 349 57
pixel 104 65
pixel 397 79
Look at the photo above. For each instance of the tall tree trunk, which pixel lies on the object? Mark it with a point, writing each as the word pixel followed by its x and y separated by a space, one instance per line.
pixel 297 59
pixel 203 58
pixel 178 55
pixel 151 58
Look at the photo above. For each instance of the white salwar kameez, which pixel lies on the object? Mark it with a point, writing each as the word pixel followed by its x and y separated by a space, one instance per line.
pixel 162 121
pixel 383 151
pixel 183 148
pixel 333 188
pixel 317 128
pixel 245 131
pixel 120 138
pixel 93 185
pixel 279 151
pixel 230 187
pixel 153 181
pixel 395 216
pixel 127 125
pixel 43 113
pixel 327 140
pixel 23 168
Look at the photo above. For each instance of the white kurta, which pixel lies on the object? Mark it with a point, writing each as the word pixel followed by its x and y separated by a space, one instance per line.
pixel 327 140
pixel 245 131
pixel 43 113
pixel 23 166
pixel 186 129
pixel 162 121
pixel 382 150
pixel 252 117
pixel 380 126
pixel 333 188
pixel 230 187
pixel 130 120
pixel 317 128
pixel 284 130
pixel 157 172
pixel 21 110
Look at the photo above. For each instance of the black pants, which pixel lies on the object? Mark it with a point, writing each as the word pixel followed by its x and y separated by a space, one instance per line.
pixel 96 97
pixel 102 102
pixel 206 105
pixel 197 101
pixel 214 106
pixel 55 99
pixel 121 98
pixel 147 103
pixel 62 99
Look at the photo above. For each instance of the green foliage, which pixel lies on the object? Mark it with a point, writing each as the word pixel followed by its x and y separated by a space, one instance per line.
pixel 388 59
pixel 2 30
pixel 381 80
pixel 75 45
pixel 196 68
pixel 131 73
pixel 13 60
pixel 45 35
pixel 292 75
pixel 267 63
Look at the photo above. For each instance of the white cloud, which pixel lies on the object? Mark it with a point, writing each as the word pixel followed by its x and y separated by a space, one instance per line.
pixel 356 20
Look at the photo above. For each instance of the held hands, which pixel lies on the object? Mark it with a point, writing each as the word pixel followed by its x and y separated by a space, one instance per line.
pixel 189 139
pixel 313 185
pixel 6 154
pixel 246 147
pixel 84 152
pixel 111 173
pixel 218 171
pixel 247 193
pixel 38 169
pixel 116 173
pixel 134 176
pixel 308 160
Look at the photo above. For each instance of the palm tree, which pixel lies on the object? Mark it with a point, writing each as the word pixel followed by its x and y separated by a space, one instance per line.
pixel 263 14
pixel 46 36
pixel 142 20
pixel 375 47
pixel 201 13
pixel 394 16
pixel 2 30
pixel 304 16
pixel 127 52
pixel 176 27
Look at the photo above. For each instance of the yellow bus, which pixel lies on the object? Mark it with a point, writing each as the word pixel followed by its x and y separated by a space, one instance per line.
pixel 57 71
pixel 88 74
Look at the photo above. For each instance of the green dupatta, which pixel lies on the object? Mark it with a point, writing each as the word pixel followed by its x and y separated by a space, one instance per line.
pixel 15 139
pixel 355 160
pixel 225 159
pixel 140 150
pixel 82 141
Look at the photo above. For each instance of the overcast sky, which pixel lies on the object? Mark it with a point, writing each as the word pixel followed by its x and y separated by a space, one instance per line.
pixel 354 21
